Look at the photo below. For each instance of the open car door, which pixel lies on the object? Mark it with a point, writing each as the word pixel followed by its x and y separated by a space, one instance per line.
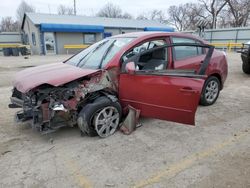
pixel 171 95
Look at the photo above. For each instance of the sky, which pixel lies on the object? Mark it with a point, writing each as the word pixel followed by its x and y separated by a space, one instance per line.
pixel 90 7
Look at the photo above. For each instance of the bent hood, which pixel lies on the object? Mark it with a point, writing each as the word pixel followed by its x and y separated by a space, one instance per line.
pixel 55 74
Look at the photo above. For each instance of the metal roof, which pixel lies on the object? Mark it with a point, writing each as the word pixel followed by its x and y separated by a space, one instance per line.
pixel 38 18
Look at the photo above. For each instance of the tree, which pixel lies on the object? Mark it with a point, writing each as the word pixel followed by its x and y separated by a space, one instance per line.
pixel 127 16
pixel 9 25
pixel 22 9
pixel 240 10
pixel 195 15
pixel 62 10
pixel 158 15
pixel 225 19
pixel 213 8
pixel 113 11
pixel 110 11
pixel 142 16
pixel 155 14
pixel 178 16
pixel 186 16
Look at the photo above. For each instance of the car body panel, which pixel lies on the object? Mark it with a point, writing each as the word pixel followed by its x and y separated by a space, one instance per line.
pixel 189 63
pixel 54 74
pixel 166 97
pixel 218 66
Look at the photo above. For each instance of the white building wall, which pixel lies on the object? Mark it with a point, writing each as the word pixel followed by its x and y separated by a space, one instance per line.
pixel 28 29
pixel 67 38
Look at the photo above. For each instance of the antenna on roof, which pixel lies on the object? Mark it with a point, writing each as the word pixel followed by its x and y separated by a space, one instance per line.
pixel 74 7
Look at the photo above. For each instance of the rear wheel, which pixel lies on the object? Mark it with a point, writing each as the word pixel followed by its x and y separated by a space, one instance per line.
pixel 246 67
pixel 101 117
pixel 210 91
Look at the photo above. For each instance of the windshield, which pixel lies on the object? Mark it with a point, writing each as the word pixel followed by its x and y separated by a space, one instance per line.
pixel 99 54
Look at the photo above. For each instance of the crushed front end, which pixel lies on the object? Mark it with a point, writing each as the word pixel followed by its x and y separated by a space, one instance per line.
pixel 49 108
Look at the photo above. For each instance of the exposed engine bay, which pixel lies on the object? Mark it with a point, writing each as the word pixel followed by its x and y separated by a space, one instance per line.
pixel 49 108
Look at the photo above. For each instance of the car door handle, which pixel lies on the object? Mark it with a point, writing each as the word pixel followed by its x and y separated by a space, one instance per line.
pixel 188 90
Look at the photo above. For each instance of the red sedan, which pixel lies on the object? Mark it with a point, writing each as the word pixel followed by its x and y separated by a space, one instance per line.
pixel 164 75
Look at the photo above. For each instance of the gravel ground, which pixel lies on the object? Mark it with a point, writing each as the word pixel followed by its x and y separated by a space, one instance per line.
pixel 214 153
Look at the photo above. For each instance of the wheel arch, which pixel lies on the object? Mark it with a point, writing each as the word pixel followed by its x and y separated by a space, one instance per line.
pixel 93 96
pixel 217 75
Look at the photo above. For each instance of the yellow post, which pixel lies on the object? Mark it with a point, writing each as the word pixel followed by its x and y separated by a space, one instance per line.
pixel 229 46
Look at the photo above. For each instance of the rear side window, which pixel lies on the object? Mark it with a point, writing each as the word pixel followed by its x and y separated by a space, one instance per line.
pixel 182 52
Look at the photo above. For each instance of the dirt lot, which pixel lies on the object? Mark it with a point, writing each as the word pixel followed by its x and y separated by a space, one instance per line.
pixel 214 153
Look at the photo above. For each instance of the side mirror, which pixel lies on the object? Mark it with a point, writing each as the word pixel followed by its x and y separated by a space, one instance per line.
pixel 130 67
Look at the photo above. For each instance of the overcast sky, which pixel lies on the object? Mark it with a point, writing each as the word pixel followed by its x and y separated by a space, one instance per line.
pixel 89 7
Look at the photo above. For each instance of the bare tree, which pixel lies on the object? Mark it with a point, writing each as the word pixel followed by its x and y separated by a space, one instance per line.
pixel 158 15
pixel 62 10
pixel 155 14
pixel 9 25
pixel 127 16
pixel 186 16
pixel 195 15
pixel 110 11
pixel 240 10
pixel 23 8
pixel 213 8
pixel 225 18
pixel 113 11
pixel 178 16
pixel 142 16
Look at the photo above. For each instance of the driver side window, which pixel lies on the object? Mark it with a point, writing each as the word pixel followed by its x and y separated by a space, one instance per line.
pixel 143 47
pixel 153 60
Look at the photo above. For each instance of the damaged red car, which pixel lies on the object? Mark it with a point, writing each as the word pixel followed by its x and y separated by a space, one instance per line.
pixel 164 75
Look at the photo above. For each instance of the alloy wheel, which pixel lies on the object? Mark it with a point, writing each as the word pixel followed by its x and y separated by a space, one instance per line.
pixel 211 91
pixel 106 121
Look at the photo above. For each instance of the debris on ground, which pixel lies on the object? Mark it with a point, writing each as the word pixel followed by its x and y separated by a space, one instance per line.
pixel 131 121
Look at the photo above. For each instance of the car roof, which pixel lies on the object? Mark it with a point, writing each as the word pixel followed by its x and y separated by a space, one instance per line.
pixel 150 34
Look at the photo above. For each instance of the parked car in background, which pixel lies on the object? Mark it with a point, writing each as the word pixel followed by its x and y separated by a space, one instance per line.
pixel 245 56
pixel 164 75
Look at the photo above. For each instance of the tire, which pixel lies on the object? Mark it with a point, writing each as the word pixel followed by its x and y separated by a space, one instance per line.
pixel 86 118
pixel 246 67
pixel 210 91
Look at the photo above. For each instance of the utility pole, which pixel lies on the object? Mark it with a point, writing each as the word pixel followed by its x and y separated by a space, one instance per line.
pixel 74 7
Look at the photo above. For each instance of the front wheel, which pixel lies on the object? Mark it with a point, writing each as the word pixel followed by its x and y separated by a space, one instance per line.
pixel 210 91
pixel 102 117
